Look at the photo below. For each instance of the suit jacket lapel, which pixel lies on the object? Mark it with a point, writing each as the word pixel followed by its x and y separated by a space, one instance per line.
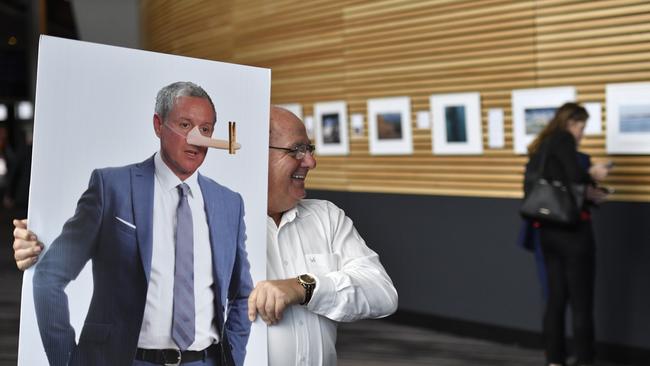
pixel 215 214
pixel 142 186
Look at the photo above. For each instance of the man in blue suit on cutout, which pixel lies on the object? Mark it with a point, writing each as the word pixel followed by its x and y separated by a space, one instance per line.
pixel 125 223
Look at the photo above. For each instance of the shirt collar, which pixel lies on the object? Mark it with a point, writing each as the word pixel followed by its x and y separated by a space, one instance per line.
pixel 289 216
pixel 169 181
pixel 294 214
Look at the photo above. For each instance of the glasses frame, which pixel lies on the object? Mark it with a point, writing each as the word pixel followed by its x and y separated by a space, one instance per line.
pixel 299 151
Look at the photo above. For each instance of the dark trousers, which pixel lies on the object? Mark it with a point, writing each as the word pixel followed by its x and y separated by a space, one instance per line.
pixel 569 256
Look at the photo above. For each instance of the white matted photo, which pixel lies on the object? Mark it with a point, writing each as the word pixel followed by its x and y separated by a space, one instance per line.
pixel 496 138
pixel 356 124
pixel 95 108
pixel 595 121
pixel 628 118
pixel 331 120
pixel 456 124
pixel 309 126
pixel 389 126
pixel 532 109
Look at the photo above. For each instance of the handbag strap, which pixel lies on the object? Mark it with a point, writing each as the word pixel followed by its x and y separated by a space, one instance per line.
pixel 565 181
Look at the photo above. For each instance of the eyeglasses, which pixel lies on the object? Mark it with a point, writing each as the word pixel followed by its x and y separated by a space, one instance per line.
pixel 299 151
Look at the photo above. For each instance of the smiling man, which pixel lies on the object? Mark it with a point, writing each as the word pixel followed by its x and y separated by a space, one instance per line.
pixel 319 269
pixel 167 247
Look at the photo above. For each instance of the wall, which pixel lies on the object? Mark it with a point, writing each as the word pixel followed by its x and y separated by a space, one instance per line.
pixel 354 50
pixel 457 258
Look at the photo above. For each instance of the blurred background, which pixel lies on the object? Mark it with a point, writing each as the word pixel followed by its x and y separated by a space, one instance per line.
pixel 445 227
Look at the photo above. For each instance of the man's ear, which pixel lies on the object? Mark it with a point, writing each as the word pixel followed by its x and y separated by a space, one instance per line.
pixel 157 124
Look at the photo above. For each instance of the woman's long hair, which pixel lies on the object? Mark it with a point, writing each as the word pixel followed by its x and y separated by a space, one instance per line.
pixel 567 112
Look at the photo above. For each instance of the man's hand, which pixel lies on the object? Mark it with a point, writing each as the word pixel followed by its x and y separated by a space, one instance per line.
pixel 26 245
pixel 270 298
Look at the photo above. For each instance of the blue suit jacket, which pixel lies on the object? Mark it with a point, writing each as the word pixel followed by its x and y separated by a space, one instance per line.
pixel 121 263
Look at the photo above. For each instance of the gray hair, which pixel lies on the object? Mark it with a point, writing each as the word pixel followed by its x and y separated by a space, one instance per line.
pixel 167 96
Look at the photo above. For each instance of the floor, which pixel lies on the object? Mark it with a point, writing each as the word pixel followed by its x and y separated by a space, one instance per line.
pixel 380 343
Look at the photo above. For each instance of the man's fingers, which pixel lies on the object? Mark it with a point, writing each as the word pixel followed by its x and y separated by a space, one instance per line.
pixel 269 308
pixel 26 263
pixel 280 304
pixel 20 223
pixel 260 302
pixel 252 307
pixel 27 252
pixel 269 299
pixel 33 245
pixel 24 234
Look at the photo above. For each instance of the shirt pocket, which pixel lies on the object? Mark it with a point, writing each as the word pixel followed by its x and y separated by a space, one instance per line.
pixel 320 264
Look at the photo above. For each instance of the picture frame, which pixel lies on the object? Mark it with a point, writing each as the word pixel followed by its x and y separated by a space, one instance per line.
pixel 595 120
pixel 356 126
pixel 456 127
pixel 331 120
pixel 628 118
pixel 389 126
pixel 532 109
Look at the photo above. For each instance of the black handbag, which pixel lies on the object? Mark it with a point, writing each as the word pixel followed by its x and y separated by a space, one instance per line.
pixel 557 202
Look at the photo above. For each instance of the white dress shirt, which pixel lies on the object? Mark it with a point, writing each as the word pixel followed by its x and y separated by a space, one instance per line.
pixel 157 320
pixel 317 238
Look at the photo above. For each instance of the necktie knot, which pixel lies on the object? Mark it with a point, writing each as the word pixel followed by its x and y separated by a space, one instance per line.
pixel 183 189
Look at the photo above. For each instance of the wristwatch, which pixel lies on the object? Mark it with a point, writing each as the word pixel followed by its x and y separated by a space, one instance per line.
pixel 309 284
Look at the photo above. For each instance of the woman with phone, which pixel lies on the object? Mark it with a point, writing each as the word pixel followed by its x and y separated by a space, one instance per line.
pixel 568 251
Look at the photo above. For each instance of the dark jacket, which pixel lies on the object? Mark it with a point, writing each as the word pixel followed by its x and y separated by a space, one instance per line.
pixel 561 161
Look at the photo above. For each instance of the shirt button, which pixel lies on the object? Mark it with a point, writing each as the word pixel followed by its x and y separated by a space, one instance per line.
pixel 301 323
pixel 285 263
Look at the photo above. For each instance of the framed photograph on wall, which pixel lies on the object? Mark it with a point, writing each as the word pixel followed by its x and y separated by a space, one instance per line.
pixel 456 123
pixel 331 119
pixel 532 109
pixel 389 126
pixel 628 118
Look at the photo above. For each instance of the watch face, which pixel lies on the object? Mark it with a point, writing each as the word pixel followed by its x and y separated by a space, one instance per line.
pixel 309 280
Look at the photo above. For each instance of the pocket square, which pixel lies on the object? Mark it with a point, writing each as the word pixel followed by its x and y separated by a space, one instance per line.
pixel 125 222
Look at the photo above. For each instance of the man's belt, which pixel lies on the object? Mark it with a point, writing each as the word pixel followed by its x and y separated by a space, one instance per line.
pixel 174 356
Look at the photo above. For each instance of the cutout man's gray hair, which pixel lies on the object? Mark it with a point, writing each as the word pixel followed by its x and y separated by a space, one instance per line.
pixel 167 96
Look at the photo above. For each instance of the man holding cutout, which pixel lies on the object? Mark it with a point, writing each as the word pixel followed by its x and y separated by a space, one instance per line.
pixel 319 269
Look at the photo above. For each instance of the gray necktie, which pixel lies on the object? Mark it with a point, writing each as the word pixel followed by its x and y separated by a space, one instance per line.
pixel 183 313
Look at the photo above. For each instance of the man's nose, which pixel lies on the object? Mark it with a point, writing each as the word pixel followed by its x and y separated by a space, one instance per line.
pixel 309 161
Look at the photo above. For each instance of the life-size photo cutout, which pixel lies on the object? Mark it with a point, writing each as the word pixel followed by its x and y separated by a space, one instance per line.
pixel 95 109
